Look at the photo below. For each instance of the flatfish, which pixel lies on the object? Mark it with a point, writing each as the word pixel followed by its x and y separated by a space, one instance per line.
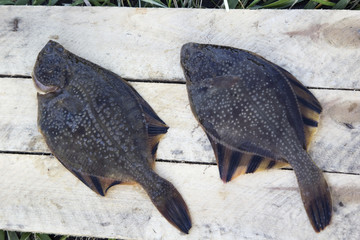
pixel 257 116
pixel 101 129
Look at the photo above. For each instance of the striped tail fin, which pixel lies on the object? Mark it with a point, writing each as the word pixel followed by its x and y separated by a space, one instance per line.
pixel 314 190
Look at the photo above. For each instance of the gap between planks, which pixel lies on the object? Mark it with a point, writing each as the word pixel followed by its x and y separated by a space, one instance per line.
pixel 167 161
pixel 180 81
pixel 335 146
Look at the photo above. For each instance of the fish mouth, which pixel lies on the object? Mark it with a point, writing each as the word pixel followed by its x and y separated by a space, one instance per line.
pixel 186 52
pixel 41 88
pixel 187 57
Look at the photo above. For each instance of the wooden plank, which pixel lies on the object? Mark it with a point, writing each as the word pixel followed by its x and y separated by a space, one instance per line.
pixel 321 48
pixel 39 195
pixel 335 146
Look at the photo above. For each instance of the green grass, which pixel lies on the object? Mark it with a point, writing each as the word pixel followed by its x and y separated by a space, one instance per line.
pixel 232 4
pixel 9 235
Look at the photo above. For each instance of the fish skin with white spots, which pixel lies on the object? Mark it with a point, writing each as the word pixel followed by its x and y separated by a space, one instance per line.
pixel 101 129
pixel 248 107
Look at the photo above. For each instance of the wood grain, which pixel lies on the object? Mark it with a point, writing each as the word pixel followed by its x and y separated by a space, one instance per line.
pixel 335 147
pixel 320 48
pixel 39 195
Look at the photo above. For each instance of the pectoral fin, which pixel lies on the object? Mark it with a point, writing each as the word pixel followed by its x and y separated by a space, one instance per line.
pixel 156 127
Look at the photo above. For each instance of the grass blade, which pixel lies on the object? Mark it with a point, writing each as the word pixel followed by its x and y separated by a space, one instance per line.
pixel 226 4
pixel 95 2
pixel 233 3
pixel 77 2
pixel 324 2
pixel 6 2
pixel 2 235
pixel 12 235
pixel 311 5
pixel 155 2
pixel 21 2
pixel 356 5
pixel 41 236
pixel 341 4
pixel 25 236
pixel 280 4
pixel 52 2
pixel 253 3
pixel 38 2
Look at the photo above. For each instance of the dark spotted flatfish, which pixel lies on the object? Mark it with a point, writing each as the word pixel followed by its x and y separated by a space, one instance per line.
pixel 101 129
pixel 257 116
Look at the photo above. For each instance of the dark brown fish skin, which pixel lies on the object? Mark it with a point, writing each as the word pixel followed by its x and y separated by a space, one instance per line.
pixel 101 129
pixel 247 104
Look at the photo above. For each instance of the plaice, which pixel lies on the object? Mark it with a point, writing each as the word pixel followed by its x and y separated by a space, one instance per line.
pixel 101 129
pixel 257 116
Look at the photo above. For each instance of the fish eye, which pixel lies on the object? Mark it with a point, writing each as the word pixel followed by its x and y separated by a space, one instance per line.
pixel 48 48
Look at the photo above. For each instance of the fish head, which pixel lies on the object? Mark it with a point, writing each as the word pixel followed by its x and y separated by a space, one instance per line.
pixel 195 61
pixel 190 53
pixel 204 61
pixel 51 69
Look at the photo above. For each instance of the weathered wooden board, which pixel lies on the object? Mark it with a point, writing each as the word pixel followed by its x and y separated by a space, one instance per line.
pixel 37 194
pixel 42 196
pixel 321 48
pixel 335 146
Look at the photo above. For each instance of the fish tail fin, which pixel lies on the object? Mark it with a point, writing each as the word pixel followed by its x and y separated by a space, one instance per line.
pixel 316 198
pixel 170 204
pixel 318 205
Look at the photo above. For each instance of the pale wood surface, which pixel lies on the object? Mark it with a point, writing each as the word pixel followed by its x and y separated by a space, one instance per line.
pixel 144 43
pixel 48 198
pixel 37 194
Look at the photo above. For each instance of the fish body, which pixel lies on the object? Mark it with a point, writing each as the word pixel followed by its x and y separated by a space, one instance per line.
pixel 257 116
pixel 101 129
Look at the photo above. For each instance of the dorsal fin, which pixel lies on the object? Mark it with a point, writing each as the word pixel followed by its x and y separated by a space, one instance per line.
pixel 310 107
pixel 232 163
pixel 100 185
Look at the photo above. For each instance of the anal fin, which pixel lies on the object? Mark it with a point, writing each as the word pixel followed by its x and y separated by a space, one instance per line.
pixel 232 163
pixel 100 185
pixel 156 131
